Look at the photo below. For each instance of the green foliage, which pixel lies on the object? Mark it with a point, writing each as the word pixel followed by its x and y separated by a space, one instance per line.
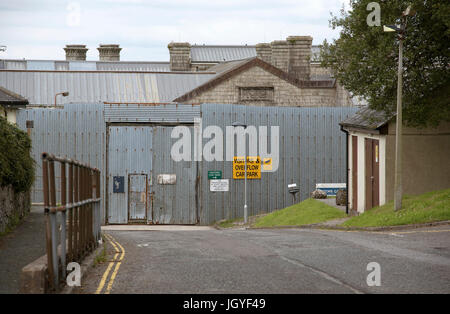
pixel 365 59
pixel 428 207
pixel 16 164
pixel 307 212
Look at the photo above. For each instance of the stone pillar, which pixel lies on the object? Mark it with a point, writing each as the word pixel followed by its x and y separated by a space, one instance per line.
pixel 75 52
pixel 264 52
pixel 109 52
pixel 180 56
pixel 300 56
pixel 280 54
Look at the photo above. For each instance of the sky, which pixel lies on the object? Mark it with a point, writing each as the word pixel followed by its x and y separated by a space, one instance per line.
pixel 33 29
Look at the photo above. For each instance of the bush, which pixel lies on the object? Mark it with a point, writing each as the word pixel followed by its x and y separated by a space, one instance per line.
pixel 16 164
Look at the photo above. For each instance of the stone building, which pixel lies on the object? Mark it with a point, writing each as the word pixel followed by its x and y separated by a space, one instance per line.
pixel 280 73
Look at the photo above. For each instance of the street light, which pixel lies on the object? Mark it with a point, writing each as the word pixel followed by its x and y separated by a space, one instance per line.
pixel 239 124
pixel 400 30
pixel 64 94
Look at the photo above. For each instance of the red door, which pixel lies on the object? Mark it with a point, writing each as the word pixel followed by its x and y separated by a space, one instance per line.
pixel 354 173
pixel 372 163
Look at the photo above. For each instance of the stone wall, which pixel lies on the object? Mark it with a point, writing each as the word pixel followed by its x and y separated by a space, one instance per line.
pixel 180 56
pixel 13 206
pixel 284 93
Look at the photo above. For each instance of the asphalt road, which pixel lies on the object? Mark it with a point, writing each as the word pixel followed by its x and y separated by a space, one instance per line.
pixel 275 261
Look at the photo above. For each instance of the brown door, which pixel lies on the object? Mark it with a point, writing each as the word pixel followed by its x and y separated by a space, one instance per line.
pixel 372 162
pixel 354 172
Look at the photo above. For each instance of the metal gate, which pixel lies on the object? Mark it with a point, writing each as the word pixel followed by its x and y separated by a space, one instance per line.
pixel 137 197
pixel 144 184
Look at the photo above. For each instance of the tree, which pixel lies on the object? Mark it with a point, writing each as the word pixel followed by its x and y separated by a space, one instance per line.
pixel 364 58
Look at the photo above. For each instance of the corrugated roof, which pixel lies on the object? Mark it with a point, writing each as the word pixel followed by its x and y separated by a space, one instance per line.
pixel 61 65
pixel 225 66
pixel 367 119
pixel 40 87
pixel 204 53
pixel 10 98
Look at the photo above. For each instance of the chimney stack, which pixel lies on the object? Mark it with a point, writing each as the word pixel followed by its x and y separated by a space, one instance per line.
pixel 75 52
pixel 109 52
pixel 300 56
pixel 280 54
pixel 264 52
pixel 180 56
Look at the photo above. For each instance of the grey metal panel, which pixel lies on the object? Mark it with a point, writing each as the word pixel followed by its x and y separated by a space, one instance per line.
pixel 15 64
pixel 221 53
pixel 40 65
pixel 312 150
pixel 168 113
pixel 129 152
pixel 146 150
pixel 76 132
pixel 172 203
pixel 134 66
pixel 90 87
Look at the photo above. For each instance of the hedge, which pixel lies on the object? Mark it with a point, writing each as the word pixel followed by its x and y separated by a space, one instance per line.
pixel 16 164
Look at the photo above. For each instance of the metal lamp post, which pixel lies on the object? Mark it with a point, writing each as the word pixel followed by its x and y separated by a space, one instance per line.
pixel 64 94
pixel 400 30
pixel 238 124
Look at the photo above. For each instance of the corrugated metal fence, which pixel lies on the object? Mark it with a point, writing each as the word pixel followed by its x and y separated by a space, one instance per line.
pixel 76 132
pixel 312 150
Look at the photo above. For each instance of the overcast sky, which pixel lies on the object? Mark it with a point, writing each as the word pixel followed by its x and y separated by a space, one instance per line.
pixel 33 29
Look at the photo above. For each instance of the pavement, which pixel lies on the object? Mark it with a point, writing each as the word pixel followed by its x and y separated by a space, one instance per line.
pixel 19 248
pixel 260 261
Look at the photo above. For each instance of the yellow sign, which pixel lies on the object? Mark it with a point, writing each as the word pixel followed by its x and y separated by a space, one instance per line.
pixel 267 164
pixel 253 168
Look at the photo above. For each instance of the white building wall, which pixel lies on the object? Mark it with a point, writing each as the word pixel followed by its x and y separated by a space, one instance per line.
pixel 362 169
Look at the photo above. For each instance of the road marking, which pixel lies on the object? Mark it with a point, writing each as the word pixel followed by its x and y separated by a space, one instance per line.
pixel 116 269
pixel 393 233
pixel 322 274
pixel 423 231
pixel 108 269
pixel 110 265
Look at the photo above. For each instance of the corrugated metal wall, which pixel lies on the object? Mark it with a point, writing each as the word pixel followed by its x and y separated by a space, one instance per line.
pixel 77 132
pixel 167 113
pixel 144 149
pixel 312 150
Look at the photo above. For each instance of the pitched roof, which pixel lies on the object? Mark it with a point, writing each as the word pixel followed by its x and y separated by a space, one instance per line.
pixel 236 67
pixel 212 53
pixel 40 87
pixel 368 119
pixel 9 98
pixel 62 65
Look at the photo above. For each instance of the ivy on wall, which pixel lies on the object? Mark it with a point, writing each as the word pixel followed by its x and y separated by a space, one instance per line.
pixel 16 164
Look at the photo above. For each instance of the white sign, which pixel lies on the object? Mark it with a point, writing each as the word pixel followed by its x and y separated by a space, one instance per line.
pixel 219 185
pixel 167 178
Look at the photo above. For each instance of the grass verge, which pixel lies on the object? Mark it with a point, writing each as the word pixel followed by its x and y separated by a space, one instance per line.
pixel 309 211
pixel 428 207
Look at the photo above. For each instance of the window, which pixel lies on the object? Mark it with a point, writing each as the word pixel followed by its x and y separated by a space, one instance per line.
pixel 256 94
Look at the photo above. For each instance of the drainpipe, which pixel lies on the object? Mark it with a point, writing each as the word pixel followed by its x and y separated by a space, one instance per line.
pixel 346 166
